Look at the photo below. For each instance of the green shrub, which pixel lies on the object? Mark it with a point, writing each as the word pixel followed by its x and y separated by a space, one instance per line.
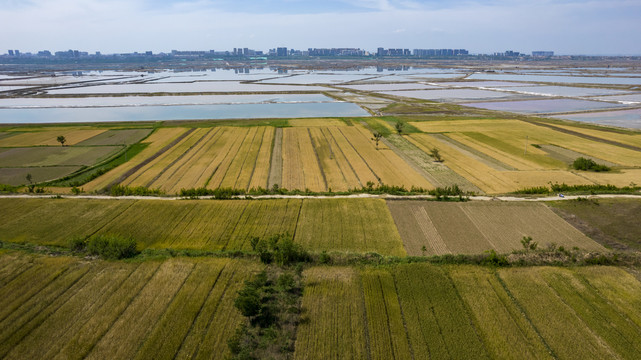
pixel 119 190
pixel 112 247
pixel 77 244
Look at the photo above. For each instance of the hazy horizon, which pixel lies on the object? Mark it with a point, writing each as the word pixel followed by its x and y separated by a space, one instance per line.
pixel 568 27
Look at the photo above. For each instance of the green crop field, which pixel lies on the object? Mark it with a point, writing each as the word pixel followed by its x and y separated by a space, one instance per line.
pixel 339 225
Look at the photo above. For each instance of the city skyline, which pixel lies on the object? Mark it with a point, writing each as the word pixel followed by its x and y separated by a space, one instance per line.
pixel 569 27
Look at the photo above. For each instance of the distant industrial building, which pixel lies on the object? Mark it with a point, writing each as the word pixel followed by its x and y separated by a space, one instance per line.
pixel 542 53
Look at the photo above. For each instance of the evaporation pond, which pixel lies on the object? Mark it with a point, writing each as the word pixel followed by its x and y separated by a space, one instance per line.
pixel 451 94
pixel 181 112
pixel 544 106
pixel 97 101
pixel 621 118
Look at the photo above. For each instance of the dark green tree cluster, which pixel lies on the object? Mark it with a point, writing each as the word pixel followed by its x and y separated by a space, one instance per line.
pixel 279 249
pixel 588 165
pixel 271 302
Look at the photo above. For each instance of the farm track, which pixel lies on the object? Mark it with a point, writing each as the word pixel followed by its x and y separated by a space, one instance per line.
pixel 328 197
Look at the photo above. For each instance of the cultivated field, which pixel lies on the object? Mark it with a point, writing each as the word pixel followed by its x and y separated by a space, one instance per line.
pixel 64 308
pixel 48 137
pixel 341 158
pixel 611 221
pixel 475 227
pixel 502 156
pixel 37 152
pixel 420 310
pixel 339 225
pixel 317 158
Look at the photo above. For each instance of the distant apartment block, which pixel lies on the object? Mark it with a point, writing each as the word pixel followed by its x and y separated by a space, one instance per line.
pixel 439 52
pixel 281 51
pixel 336 52
pixel 393 52
pixel 542 53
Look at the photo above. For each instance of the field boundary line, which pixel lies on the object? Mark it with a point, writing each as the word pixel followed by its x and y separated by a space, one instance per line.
pixel 599 340
pixel 111 220
pixel 300 210
pixel 400 305
pixel 124 309
pixel 276 160
pixel 150 159
pixel 524 313
pixel 436 240
pixel 364 315
pixel 35 320
pixel 260 146
pixel 191 327
pixel 233 230
pixel 150 331
pixel 469 314
pixel 188 223
pixel 389 330
pixel 318 161
pixel 585 136
pixel 361 156
pixel 98 303
pixel 246 157
pixel 180 157
pixel 474 222
pixel 44 286
pixel 197 149
pixel 213 313
pixel 333 155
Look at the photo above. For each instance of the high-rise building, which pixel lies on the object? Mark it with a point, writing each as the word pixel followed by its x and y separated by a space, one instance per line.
pixel 542 53
pixel 281 51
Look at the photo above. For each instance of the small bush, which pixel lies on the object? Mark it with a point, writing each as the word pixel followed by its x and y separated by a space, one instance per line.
pixel 77 244
pixel 324 258
pixel 494 259
pixel 112 247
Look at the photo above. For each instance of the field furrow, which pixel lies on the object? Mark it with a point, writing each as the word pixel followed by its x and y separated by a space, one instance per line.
pixel 220 173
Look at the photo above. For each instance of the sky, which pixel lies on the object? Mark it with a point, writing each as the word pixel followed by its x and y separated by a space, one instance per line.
pixel 606 27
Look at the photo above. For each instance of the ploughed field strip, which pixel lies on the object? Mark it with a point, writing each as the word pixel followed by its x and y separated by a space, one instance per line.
pixel 502 156
pixel 427 311
pixel 341 225
pixel 40 154
pixel 439 228
pixel 65 308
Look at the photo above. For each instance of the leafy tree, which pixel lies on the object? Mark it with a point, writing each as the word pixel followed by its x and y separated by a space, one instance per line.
pixel 399 127
pixel 377 137
pixel 436 155
pixel 62 140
